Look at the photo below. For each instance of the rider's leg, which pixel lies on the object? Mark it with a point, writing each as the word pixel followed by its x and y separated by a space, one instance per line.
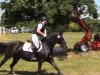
pixel 34 45
pixel 34 52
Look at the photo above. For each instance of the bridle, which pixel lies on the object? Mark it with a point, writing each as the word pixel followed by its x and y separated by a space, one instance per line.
pixel 57 40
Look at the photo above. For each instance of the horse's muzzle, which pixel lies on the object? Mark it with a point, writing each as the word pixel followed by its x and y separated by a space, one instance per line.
pixel 64 45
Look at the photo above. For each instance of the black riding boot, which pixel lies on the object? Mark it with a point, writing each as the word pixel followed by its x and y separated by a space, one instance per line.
pixel 34 53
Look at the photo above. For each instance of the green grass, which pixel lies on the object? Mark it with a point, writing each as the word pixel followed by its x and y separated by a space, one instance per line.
pixel 87 63
pixel 12 37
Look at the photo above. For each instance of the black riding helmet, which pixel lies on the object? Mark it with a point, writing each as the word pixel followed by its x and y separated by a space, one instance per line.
pixel 43 18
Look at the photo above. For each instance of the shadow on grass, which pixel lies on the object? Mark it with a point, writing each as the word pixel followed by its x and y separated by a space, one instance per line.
pixel 5 72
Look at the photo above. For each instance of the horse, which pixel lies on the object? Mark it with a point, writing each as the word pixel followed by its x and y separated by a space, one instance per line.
pixel 15 49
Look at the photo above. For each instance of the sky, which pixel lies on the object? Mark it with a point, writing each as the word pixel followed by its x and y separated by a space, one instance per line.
pixel 97 2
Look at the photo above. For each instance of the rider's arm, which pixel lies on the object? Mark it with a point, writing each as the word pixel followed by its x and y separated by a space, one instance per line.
pixel 39 32
pixel 45 32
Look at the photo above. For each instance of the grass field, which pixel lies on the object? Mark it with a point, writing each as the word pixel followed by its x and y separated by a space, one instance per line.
pixel 87 63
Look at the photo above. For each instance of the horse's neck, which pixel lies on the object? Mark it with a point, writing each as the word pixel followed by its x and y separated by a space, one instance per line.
pixel 51 43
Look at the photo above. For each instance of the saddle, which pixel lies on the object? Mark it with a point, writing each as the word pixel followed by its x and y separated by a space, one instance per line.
pixel 29 40
pixel 32 45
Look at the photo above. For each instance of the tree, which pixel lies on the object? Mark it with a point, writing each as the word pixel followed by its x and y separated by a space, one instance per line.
pixel 57 11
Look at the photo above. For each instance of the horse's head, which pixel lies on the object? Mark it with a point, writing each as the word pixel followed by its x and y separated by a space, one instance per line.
pixel 60 40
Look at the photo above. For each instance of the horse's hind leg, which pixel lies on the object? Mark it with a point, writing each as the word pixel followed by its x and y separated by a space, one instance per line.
pixel 15 60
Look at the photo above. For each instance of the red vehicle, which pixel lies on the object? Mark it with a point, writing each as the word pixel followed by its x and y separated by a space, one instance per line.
pixel 84 44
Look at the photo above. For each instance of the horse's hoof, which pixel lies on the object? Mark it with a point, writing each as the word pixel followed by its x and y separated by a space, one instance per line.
pixel 60 74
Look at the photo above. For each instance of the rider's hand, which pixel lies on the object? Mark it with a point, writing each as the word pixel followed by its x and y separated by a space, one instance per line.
pixel 44 35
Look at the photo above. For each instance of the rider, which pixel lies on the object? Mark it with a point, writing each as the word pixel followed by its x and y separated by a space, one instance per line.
pixel 38 34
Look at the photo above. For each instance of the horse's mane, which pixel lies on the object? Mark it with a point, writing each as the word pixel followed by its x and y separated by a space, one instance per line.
pixel 53 34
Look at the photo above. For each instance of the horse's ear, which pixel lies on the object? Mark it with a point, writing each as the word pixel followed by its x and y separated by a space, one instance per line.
pixel 61 33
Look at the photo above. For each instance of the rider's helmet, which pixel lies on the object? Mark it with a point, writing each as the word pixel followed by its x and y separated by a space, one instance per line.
pixel 43 18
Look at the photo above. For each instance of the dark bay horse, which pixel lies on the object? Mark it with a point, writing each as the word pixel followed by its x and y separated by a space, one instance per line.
pixel 15 49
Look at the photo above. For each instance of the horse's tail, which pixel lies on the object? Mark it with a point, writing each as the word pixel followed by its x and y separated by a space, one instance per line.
pixel 2 48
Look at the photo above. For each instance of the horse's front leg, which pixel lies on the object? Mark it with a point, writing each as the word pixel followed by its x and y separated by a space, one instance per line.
pixel 51 61
pixel 39 67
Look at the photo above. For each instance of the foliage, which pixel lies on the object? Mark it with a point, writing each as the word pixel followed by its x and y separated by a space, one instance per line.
pixel 73 27
pixel 57 11
pixel 94 24
pixel 1 24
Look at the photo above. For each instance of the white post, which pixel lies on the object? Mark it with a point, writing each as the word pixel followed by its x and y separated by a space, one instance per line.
pixel 0 31
pixel 3 30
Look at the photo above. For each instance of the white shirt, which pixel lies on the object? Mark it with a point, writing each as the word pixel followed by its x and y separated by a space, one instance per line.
pixel 40 25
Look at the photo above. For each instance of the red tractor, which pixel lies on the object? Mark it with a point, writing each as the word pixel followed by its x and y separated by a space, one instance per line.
pixel 84 44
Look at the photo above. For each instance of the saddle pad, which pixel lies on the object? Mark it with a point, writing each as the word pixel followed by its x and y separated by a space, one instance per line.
pixel 27 47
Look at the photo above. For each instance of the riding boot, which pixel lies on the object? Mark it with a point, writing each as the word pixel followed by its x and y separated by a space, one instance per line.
pixel 34 53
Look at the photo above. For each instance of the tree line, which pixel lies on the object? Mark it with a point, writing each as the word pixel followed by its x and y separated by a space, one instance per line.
pixel 28 12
